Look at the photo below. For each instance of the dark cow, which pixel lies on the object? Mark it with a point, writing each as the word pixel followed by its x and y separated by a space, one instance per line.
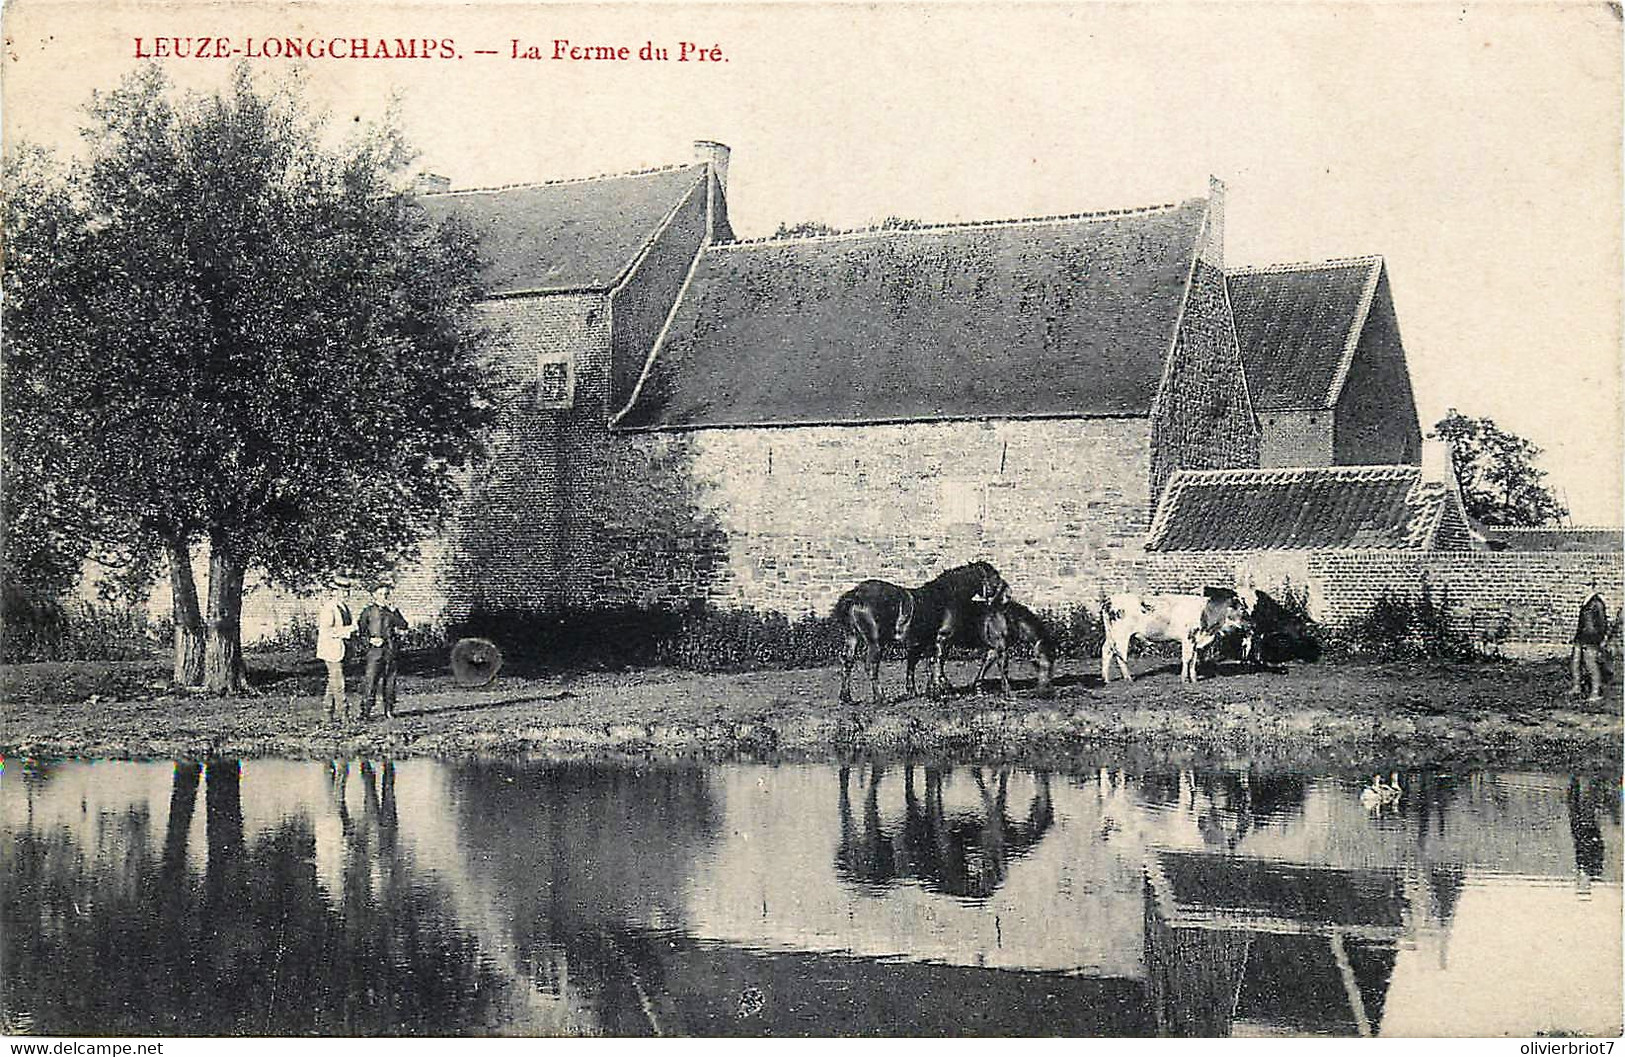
pixel 1193 621
pixel 1276 633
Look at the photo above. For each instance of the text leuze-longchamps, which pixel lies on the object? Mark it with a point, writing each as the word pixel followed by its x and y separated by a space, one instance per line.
pixel 295 48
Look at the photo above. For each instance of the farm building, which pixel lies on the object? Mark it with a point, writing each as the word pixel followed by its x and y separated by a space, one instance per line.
pixel 1089 401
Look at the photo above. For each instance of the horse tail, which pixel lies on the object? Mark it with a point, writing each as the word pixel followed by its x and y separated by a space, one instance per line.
pixel 1108 612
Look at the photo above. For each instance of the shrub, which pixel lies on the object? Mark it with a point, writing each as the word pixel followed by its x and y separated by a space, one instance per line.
pixel 298 635
pixel 80 631
pixel 1077 630
pixel 1398 627
pixel 712 640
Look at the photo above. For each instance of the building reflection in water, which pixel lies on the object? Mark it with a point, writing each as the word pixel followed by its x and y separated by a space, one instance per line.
pixel 372 896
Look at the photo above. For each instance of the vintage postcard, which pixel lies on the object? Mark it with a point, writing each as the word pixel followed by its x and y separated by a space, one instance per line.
pixel 812 519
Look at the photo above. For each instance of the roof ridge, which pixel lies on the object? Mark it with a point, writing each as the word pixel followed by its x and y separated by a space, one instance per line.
pixel 563 180
pixel 1556 528
pixel 1392 472
pixel 874 230
pixel 1303 266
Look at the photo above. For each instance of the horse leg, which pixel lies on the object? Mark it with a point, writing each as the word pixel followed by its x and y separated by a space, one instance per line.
pixel 987 662
pixel 1106 659
pixel 911 661
pixel 939 674
pixel 1187 659
pixel 874 670
pixel 849 658
pixel 1004 670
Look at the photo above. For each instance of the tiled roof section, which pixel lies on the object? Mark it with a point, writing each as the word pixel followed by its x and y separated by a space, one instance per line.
pixel 1317 507
pixel 1298 325
pixel 1591 538
pixel 569 234
pixel 1058 317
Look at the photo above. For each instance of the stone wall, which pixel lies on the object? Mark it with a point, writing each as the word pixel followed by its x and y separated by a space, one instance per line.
pixel 1203 420
pixel 505 544
pixel 788 518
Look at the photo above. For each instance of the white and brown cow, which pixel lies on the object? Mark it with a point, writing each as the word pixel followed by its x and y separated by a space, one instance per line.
pixel 1193 621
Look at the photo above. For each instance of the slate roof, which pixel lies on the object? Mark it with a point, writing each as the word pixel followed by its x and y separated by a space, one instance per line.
pixel 1318 507
pixel 567 234
pixel 1298 325
pixel 1058 317
pixel 1596 539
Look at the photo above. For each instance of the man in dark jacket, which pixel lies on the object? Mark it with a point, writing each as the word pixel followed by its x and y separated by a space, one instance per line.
pixel 378 627
pixel 1588 641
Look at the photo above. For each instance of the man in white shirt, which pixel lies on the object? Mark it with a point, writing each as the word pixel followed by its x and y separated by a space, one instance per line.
pixel 333 625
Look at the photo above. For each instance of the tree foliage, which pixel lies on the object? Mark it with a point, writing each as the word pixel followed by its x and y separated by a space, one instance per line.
pixel 1500 483
pixel 243 336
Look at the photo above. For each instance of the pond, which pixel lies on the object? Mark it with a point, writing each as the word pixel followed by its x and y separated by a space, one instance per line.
pixel 375 896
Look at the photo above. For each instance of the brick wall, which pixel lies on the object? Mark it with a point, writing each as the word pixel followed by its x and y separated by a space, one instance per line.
pixel 788 518
pixel 1376 414
pixel 1271 571
pixel 1538 593
pixel 1295 438
pixel 1203 420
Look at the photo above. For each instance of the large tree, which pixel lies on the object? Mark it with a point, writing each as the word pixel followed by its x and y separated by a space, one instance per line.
pixel 1500 483
pixel 242 335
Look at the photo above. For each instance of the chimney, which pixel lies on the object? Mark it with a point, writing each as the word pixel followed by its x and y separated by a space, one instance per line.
pixel 707 150
pixel 710 152
pixel 1212 251
pixel 428 183
pixel 1436 465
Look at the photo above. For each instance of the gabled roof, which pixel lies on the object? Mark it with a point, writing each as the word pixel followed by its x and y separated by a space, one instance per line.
pixel 1057 317
pixel 568 234
pixel 1312 507
pixel 1298 326
pixel 1591 538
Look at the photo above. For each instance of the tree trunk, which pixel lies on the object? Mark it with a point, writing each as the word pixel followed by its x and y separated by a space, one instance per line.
pixel 187 616
pixel 223 669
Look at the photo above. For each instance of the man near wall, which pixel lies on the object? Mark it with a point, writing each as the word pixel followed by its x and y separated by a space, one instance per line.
pixel 1586 650
pixel 380 624
pixel 333 627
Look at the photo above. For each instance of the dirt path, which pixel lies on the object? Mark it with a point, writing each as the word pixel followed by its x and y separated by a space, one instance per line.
pixel 1354 715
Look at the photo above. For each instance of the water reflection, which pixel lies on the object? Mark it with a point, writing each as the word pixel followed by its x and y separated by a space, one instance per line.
pixel 963 853
pixel 374 896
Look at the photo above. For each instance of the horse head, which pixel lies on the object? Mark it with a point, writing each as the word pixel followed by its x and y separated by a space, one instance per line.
pixel 991 587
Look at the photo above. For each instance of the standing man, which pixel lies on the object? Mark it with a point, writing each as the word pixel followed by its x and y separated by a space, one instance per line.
pixel 333 626
pixel 1589 637
pixel 380 623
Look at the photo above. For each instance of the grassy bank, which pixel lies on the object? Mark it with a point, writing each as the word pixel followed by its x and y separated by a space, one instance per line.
pixel 1356 714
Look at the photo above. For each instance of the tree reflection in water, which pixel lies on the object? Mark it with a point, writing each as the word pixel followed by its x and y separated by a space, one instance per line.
pixel 128 939
pixel 960 853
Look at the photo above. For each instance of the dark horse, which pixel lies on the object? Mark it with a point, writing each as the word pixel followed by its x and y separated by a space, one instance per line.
pixel 922 619
pixel 996 627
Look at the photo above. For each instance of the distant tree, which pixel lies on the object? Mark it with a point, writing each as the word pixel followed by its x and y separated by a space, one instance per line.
pixel 1500 483
pixel 802 229
pixel 220 329
pixel 805 228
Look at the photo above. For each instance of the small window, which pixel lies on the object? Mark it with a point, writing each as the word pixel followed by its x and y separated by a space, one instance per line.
pixel 555 381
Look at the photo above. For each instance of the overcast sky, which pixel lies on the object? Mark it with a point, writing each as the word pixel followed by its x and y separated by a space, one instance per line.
pixel 1476 147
